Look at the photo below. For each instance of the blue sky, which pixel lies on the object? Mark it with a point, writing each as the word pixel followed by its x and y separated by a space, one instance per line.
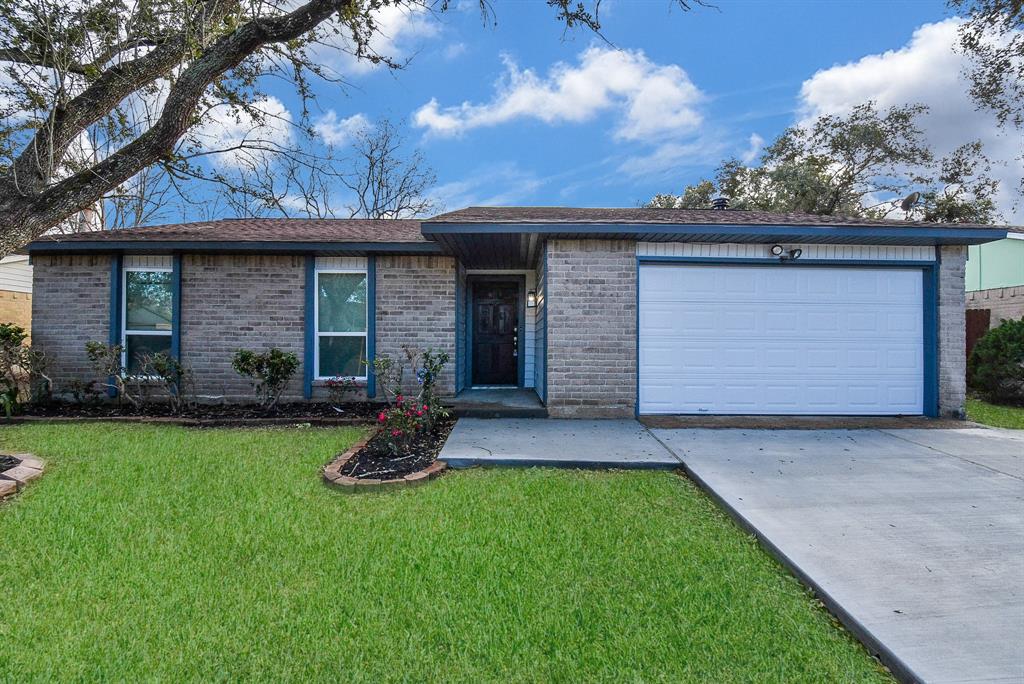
pixel 517 113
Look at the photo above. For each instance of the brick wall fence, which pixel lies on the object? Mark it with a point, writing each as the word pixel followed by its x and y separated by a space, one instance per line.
pixel 1004 302
pixel 591 328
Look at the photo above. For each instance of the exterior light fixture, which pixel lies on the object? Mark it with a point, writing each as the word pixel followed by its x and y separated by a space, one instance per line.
pixel 531 299
pixel 776 250
pixel 795 253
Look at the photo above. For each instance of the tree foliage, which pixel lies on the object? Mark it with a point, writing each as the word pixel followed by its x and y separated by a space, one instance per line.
pixel 860 164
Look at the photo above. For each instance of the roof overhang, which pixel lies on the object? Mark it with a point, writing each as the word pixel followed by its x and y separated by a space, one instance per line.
pixel 240 247
pixel 505 245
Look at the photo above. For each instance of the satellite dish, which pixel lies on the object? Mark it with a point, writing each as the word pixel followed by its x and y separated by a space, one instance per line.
pixel 909 201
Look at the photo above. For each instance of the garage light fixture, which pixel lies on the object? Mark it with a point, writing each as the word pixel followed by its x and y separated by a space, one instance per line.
pixel 783 254
pixel 531 299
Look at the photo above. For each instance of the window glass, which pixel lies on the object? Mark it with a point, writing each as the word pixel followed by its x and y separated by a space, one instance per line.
pixel 148 297
pixel 342 356
pixel 341 302
pixel 137 345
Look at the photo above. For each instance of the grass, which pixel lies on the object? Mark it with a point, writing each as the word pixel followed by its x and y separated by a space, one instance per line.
pixel 161 553
pixel 995 415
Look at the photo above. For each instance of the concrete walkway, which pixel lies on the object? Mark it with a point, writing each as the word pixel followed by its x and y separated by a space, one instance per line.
pixel 556 443
pixel 914 538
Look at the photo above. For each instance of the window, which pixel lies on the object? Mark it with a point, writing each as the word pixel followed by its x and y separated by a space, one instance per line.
pixel 146 315
pixel 341 324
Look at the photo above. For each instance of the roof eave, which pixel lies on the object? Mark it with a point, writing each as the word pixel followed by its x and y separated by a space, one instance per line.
pixel 232 247
pixel 912 235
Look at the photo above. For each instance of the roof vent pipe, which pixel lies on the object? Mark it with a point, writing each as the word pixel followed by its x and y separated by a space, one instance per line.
pixel 720 203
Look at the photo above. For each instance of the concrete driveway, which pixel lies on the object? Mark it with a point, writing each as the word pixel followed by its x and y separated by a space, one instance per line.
pixel 915 538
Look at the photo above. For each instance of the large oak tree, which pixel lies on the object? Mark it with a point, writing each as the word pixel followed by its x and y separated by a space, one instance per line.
pixel 94 93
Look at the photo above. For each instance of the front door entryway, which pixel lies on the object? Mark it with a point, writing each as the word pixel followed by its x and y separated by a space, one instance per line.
pixel 495 333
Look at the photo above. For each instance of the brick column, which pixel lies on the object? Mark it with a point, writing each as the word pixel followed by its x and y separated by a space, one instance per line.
pixel 591 328
pixel 952 334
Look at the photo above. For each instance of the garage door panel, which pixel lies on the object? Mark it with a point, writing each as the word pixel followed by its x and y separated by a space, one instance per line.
pixel 781 340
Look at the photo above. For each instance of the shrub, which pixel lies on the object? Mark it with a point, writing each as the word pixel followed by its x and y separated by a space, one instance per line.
pixel 401 423
pixel 22 379
pixel 106 361
pixel 338 389
pixel 268 373
pixel 996 366
pixel 171 376
pixel 405 416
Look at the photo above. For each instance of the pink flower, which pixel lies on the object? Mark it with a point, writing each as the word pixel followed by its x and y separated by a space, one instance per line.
pixel 396 433
pixel 419 413
pixel 399 399
pixel 425 407
pixel 381 417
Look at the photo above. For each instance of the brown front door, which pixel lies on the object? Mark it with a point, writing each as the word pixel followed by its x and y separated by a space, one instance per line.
pixel 495 333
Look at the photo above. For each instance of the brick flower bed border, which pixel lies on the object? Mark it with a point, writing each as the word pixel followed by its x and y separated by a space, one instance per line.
pixel 14 479
pixel 333 477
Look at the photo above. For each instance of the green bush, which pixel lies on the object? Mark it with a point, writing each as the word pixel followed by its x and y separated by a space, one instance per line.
pixel 22 379
pixel 996 366
pixel 268 373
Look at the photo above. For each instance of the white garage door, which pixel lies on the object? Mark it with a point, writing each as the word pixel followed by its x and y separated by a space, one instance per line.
pixel 780 340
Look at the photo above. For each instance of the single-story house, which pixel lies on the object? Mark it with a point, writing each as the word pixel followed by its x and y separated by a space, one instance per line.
pixel 995 278
pixel 16 290
pixel 600 312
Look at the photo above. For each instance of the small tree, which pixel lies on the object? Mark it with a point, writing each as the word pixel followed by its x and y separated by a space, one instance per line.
pixel 106 359
pixel 21 369
pixel 996 366
pixel 268 373
pixel 174 378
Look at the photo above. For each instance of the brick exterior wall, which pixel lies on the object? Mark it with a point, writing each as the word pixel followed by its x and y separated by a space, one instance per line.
pixel 1004 302
pixel 70 306
pixel 952 333
pixel 591 328
pixel 231 302
pixel 16 307
pixel 416 308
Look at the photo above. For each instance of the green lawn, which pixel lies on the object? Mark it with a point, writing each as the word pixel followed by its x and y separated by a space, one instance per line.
pixel 997 416
pixel 156 553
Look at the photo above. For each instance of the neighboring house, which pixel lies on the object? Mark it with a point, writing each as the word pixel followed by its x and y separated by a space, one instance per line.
pixel 995 278
pixel 16 290
pixel 601 312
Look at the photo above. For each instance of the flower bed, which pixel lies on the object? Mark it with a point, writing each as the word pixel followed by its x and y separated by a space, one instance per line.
pixel 370 464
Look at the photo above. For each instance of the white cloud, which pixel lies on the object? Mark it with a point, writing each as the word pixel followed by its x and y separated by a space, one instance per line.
pixel 399 28
pixel 928 71
pixel 227 128
pixel 667 159
pixel 652 100
pixel 756 145
pixel 454 50
pixel 515 185
pixel 338 131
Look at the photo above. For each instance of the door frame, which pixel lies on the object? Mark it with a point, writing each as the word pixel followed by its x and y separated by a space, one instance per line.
pixel 929 296
pixel 471 281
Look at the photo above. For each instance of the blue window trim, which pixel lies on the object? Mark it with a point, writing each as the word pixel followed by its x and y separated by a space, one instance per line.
pixel 116 297
pixel 308 372
pixel 310 337
pixel 929 304
pixel 371 325
pixel 547 305
pixel 176 307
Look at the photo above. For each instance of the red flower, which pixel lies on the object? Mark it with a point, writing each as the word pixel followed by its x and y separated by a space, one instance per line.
pixel 396 433
pixel 425 407
pixel 381 417
pixel 419 413
pixel 399 399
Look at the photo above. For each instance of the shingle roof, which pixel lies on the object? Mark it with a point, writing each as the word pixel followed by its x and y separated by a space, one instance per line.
pixel 584 215
pixel 261 230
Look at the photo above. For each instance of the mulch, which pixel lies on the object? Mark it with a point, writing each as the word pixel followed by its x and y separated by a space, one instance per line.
pixel 7 462
pixel 375 460
pixel 297 411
